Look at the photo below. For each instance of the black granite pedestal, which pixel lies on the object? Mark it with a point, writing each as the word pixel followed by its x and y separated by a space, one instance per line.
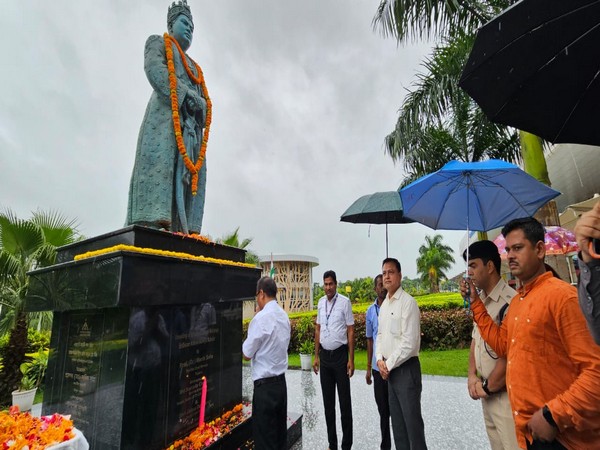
pixel 133 335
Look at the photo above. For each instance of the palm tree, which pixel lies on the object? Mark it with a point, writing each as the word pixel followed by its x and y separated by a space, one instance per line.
pixel 233 240
pixel 25 245
pixel 434 258
pixel 451 20
pixel 418 19
pixel 439 122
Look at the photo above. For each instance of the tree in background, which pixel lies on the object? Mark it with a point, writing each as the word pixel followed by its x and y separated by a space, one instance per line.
pixel 439 122
pixel 415 286
pixel 434 258
pixel 362 289
pixel 452 21
pixel 233 240
pixel 25 245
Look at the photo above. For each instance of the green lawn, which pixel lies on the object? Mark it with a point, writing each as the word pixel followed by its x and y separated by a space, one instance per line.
pixel 448 362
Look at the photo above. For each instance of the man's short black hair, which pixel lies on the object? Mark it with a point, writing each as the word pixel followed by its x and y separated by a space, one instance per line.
pixel 393 261
pixel 377 278
pixel 268 286
pixel 486 251
pixel 330 274
pixel 532 229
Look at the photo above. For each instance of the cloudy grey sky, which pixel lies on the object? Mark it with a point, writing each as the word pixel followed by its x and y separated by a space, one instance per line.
pixel 303 93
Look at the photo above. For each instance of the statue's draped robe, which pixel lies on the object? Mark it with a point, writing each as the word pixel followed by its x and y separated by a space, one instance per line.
pixel 152 192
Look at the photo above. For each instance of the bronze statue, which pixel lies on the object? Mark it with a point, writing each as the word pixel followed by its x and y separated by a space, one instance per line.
pixel 168 183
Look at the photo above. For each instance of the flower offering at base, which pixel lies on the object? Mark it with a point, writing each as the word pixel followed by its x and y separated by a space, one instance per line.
pixel 23 431
pixel 210 432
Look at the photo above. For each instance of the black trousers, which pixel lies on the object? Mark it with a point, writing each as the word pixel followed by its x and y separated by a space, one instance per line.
pixel 269 415
pixel 380 387
pixel 334 372
pixel 404 389
pixel 539 445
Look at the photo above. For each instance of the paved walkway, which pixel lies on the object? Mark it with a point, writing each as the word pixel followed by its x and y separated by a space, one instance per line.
pixel 452 420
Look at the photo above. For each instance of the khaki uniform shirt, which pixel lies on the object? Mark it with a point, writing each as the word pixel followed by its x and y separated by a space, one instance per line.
pixel 485 357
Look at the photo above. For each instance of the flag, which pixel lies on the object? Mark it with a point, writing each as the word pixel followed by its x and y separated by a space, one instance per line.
pixel 272 271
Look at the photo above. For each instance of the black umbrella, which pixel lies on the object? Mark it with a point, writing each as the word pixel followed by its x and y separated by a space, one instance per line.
pixel 536 67
pixel 377 208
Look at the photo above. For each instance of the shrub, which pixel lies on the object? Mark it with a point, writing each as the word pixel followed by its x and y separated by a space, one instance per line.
pixel 37 339
pixel 443 330
pixel 34 369
pixel 444 324
pixel 303 330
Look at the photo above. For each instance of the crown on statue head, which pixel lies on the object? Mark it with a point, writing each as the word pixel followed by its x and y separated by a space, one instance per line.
pixel 176 9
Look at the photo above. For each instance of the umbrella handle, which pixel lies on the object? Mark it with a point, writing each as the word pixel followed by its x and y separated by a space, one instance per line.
pixel 467 297
pixel 594 248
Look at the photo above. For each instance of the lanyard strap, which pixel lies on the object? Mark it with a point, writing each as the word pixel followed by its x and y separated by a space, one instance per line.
pixel 327 314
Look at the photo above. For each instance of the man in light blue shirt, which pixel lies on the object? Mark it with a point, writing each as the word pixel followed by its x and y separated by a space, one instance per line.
pixel 380 387
pixel 267 343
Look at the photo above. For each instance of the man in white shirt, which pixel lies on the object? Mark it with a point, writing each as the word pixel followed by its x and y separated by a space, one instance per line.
pixel 267 343
pixel 334 355
pixel 487 372
pixel 397 346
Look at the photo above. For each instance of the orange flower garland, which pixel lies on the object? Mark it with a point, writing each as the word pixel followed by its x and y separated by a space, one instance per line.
pixel 193 168
pixel 23 431
pixel 198 237
pixel 210 432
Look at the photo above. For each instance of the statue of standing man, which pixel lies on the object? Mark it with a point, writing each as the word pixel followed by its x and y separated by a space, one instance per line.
pixel 168 183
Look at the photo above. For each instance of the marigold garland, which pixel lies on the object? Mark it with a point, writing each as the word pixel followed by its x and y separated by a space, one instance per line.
pixel 193 168
pixel 210 432
pixel 23 431
pixel 198 237
pixel 153 251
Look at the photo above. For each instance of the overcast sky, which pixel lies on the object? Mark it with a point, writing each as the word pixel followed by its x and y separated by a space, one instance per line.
pixel 303 95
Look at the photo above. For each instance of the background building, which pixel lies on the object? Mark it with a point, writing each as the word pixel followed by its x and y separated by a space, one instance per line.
pixel 293 275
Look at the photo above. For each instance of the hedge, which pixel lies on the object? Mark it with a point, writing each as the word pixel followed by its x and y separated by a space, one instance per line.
pixel 440 330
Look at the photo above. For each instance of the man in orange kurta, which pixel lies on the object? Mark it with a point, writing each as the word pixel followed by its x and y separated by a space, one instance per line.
pixel 553 365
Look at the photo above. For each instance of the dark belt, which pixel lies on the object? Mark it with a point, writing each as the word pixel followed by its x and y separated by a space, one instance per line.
pixel 406 363
pixel 341 349
pixel 269 380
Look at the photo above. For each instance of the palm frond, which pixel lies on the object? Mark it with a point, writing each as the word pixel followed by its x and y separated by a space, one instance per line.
pixel 423 19
pixel 58 230
pixel 439 122
pixel 19 237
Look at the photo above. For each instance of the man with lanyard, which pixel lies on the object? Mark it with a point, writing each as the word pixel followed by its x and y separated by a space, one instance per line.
pixel 380 387
pixel 553 365
pixel 267 343
pixel 486 377
pixel 398 343
pixel 334 355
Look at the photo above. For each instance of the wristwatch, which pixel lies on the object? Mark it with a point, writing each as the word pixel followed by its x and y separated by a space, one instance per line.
pixel 548 416
pixel 484 385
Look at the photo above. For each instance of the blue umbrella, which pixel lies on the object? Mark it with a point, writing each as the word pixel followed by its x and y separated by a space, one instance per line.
pixel 477 196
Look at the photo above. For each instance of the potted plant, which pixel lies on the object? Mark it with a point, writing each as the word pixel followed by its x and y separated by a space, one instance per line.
pixel 307 348
pixel 305 335
pixel 33 374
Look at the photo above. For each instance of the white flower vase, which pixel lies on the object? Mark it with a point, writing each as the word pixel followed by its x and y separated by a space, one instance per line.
pixel 305 361
pixel 24 399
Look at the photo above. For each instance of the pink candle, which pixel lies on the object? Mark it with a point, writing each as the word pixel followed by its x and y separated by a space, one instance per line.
pixel 202 402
